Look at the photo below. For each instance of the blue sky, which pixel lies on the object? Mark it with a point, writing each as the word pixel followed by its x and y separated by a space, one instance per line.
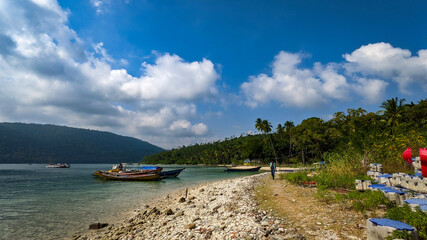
pixel 180 72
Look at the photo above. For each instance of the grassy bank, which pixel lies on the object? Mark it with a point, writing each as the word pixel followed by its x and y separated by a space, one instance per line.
pixel 335 186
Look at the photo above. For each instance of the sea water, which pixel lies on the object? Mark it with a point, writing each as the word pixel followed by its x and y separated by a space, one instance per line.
pixel 55 203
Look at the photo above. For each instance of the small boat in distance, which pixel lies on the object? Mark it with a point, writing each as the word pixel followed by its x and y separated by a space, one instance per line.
pixel 171 173
pixel 58 165
pixel 242 169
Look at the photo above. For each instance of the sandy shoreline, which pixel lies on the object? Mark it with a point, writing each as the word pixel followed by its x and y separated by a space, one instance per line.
pixel 217 210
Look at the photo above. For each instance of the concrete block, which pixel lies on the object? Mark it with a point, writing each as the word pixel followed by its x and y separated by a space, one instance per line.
pixel 395 179
pixel 373 167
pixel 405 181
pixel 392 196
pixel 362 185
pixel 379 167
pixel 385 179
pixel 423 185
pixel 359 185
pixel 366 184
pixel 417 163
pixel 417 202
pixel 379 229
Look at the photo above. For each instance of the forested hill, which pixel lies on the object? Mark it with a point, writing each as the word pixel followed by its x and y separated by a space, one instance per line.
pixel 36 143
pixel 356 134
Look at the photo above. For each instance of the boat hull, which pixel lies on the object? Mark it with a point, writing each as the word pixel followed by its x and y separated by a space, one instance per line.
pixel 127 177
pixel 242 169
pixel 58 165
pixel 171 174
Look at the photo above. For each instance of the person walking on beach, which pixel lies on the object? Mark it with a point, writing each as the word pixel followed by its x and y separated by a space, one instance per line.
pixel 272 168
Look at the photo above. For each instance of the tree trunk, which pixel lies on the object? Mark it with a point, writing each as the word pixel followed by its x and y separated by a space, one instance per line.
pixel 302 155
pixel 274 151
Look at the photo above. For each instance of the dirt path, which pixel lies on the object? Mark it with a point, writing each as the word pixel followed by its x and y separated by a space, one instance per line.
pixel 314 219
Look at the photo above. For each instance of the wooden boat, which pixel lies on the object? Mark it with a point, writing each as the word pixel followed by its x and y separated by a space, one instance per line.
pixel 127 177
pixel 130 169
pixel 171 173
pixel 58 165
pixel 242 169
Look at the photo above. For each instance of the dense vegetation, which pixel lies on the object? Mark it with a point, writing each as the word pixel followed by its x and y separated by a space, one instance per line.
pixel 35 143
pixel 355 135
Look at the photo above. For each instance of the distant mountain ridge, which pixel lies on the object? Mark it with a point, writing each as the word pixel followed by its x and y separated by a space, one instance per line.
pixel 39 143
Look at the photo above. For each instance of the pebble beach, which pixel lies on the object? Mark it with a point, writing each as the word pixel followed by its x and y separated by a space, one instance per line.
pixel 217 210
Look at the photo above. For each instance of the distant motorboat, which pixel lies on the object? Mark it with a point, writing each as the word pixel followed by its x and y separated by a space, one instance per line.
pixel 242 169
pixel 58 165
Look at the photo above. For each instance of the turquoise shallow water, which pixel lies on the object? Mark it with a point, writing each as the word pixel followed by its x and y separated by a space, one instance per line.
pixel 41 203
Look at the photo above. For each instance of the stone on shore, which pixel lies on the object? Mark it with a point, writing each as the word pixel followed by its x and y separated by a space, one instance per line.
pixel 220 210
pixel 97 225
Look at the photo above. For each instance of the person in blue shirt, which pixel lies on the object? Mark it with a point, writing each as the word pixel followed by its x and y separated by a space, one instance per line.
pixel 273 168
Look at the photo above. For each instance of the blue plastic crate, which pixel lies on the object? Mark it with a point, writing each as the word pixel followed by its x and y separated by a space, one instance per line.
pixel 390 189
pixel 376 186
pixel 420 201
pixel 392 223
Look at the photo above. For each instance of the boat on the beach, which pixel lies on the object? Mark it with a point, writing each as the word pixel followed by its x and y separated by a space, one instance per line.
pixel 171 173
pixel 242 169
pixel 132 169
pixel 125 173
pixel 127 176
pixel 58 165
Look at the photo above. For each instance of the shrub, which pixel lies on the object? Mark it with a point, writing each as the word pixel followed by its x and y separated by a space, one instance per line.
pixel 295 177
pixel 368 201
pixel 359 201
pixel 397 234
pixel 417 219
pixel 341 170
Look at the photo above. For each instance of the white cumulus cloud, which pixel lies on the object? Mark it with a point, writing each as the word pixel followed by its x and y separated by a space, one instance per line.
pixel 294 86
pixel 48 76
pixel 172 78
pixel 387 62
pixel 366 73
pixel 184 128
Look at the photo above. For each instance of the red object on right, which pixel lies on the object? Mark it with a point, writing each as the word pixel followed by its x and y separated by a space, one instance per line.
pixel 423 157
pixel 407 156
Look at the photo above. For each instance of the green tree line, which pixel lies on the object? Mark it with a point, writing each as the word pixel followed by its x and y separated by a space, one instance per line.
pixel 379 137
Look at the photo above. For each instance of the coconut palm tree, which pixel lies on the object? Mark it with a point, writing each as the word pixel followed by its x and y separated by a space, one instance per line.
pixel 265 127
pixel 280 129
pixel 393 109
pixel 288 129
pixel 259 125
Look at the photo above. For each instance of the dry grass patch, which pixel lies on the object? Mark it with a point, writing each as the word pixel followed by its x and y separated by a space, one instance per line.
pixel 313 218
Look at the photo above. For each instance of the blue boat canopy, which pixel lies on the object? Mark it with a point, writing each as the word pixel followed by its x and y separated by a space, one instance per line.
pixel 149 168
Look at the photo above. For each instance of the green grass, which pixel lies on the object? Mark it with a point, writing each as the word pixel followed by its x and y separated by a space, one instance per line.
pixel 295 177
pixel 417 219
pixel 358 201
pixel 326 181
